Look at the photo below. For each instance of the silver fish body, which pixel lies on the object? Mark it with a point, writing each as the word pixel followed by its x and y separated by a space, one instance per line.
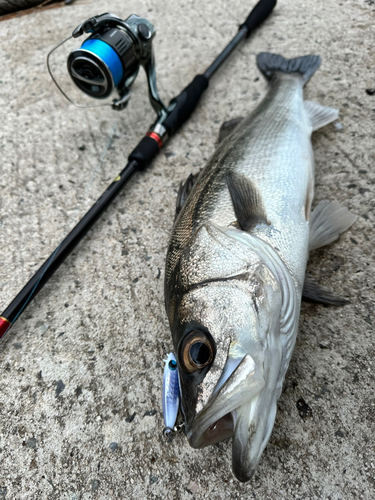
pixel 236 267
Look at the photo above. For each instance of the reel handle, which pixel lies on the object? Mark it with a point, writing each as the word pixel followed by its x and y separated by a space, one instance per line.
pixel 94 23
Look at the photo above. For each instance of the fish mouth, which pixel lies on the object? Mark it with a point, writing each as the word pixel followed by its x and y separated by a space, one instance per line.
pixel 229 414
pixel 220 430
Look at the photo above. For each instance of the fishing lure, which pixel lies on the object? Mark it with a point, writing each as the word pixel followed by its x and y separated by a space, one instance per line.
pixel 171 394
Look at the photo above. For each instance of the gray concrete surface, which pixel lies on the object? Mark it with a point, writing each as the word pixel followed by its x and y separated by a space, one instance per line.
pixel 81 371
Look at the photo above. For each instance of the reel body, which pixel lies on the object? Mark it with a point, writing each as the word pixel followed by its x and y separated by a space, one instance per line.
pixel 110 58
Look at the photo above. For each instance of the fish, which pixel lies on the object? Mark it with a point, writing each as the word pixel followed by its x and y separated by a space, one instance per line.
pixel 236 264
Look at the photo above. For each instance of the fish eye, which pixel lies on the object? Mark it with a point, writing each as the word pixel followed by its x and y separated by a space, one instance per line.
pixel 197 351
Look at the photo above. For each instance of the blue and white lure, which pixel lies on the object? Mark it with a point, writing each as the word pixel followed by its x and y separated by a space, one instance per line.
pixel 171 394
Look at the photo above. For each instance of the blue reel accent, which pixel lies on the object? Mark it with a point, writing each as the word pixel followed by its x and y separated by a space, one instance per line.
pixel 107 55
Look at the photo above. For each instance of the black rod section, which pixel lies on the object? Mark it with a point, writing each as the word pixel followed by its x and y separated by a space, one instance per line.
pixel 259 14
pixel 226 52
pixel 186 102
pixel 179 111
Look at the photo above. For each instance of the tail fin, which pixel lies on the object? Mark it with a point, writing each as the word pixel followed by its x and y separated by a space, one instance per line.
pixel 305 66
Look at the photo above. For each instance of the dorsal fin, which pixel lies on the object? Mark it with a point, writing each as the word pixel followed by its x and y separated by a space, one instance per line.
pixel 247 202
pixel 184 190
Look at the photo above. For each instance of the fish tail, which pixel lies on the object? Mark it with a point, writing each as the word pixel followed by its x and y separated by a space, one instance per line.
pixel 305 66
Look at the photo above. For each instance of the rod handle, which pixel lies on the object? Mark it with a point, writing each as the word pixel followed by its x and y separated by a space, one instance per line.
pixel 185 103
pixel 259 14
pixel 145 152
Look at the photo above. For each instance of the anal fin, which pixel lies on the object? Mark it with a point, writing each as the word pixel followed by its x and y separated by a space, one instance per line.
pixel 247 202
pixel 314 292
pixel 320 115
pixel 328 221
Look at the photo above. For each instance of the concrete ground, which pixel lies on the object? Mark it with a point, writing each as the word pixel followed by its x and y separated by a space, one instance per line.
pixel 81 371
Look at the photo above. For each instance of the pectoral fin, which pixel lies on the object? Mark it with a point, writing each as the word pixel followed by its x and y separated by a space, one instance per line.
pixel 247 202
pixel 328 221
pixel 314 292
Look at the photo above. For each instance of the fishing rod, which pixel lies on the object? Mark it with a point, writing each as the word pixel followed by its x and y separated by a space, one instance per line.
pixel 110 59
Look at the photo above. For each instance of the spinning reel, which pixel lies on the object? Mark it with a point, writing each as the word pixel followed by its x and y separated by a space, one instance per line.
pixel 109 59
